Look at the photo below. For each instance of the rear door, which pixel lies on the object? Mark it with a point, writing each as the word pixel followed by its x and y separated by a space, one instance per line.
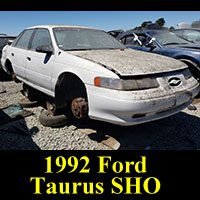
pixel 18 52
pixel 39 65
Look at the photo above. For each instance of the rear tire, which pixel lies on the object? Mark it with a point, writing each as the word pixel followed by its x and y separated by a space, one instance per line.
pixel 10 71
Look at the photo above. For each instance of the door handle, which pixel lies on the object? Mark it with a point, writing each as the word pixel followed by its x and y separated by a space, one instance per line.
pixel 28 58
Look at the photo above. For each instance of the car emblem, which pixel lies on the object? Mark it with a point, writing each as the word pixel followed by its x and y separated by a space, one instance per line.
pixel 174 81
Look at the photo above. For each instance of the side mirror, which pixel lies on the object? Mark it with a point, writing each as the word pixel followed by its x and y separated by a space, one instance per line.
pixel 45 49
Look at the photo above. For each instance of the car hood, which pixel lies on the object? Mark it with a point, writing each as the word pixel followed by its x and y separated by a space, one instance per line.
pixel 131 62
pixel 191 47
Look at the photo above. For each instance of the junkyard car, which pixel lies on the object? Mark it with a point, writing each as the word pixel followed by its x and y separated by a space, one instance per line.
pixel 165 43
pixel 190 34
pixel 3 41
pixel 87 72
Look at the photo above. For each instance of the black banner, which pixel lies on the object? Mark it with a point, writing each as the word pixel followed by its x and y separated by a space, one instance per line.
pixel 99 174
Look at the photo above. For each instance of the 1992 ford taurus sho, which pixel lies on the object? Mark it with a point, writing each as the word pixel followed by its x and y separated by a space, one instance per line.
pixel 87 72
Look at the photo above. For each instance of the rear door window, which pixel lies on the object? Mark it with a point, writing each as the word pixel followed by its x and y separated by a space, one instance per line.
pixel 23 41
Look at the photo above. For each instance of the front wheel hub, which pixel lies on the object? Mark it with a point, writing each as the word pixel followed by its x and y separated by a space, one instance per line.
pixel 79 108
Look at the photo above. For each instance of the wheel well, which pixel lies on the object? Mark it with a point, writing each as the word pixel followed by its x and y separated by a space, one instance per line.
pixel 68 87
pixel 193 66
pixel 9 67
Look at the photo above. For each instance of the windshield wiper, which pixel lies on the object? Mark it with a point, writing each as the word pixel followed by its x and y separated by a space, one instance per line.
pixel 76 49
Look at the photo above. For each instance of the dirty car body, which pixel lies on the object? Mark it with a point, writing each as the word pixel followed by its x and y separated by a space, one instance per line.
pixel 190 34
pixel 78 64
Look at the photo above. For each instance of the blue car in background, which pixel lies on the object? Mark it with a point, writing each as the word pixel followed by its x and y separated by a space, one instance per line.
pixel 165 43
pixel 190 34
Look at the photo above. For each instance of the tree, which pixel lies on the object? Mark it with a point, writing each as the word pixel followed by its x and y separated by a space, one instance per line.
pixel 160 21
pixel 137 28
pixel 143 25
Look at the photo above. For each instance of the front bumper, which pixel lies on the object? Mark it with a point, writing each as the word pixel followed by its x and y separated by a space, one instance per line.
pixel 129 108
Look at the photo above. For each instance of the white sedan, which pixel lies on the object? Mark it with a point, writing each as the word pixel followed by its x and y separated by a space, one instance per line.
pixel 86 72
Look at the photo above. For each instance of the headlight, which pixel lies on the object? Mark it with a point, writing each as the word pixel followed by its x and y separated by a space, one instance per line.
pixel 126 84
pixel 108 83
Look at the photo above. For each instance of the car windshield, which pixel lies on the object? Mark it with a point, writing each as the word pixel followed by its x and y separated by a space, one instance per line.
pixel 72 39
pixel 168 38
pixel 191 35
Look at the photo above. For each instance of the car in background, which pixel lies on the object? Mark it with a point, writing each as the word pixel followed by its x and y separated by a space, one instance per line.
pixel 85 72
pixel 115 33
pixel 190 34
pixel 165 43
pixel 4 39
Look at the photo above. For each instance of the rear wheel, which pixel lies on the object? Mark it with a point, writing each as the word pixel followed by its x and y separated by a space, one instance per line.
pixel 10 71
pixel 31 97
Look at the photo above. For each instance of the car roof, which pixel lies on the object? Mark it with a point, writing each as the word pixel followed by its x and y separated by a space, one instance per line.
pixel 59 26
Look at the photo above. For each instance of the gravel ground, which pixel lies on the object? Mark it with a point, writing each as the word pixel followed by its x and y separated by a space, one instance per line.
pixel 180 131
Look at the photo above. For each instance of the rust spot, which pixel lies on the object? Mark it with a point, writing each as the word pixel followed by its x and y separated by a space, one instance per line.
pixel 79 108
pixel 196 100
